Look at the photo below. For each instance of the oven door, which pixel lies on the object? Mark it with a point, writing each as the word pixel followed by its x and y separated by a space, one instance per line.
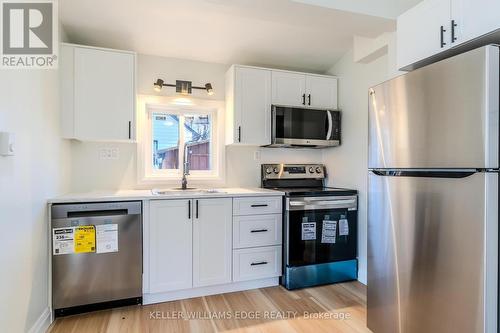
pixel 305 127
pixel 320 230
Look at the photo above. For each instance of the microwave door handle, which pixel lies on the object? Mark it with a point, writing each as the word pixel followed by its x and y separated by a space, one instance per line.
pixel 273 124
pixel 330 125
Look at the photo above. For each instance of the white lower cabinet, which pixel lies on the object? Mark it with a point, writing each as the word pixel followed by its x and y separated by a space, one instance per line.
pixel 212 245
pixel 256 230
pixel 197 247
pixel 170 245
pixel 256 263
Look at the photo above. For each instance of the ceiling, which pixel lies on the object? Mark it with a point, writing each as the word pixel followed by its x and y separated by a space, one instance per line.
pixel 389 9
pixel 278 33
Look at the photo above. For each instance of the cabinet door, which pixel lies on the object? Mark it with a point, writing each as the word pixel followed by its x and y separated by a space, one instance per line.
pixel 419 31
pixel 212 241
pixel 104 94
pixel 253 106
pixel 321 92
pixel 475 18
pixel 170 245
pixel 288 88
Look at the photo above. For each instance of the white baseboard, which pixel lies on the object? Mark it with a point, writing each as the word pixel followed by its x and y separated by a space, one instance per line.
pixel 206 291
pixel 42 323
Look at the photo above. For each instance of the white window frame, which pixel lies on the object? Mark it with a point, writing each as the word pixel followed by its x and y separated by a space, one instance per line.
pixel 147 175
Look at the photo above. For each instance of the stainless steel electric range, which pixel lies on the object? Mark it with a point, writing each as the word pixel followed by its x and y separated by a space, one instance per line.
pixel 319 225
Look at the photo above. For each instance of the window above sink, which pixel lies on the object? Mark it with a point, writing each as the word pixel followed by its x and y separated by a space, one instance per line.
pixel 165 126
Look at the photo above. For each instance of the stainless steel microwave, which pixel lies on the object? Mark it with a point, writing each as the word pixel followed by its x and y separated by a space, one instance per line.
pixel 303 127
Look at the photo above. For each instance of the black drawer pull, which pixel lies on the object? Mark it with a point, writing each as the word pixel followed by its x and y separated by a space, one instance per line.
pixel 259 263
pixel 443 30
pixel 261 205
pixel 259 230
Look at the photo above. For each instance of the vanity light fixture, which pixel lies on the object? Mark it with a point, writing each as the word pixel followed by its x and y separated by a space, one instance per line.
pixel 182 87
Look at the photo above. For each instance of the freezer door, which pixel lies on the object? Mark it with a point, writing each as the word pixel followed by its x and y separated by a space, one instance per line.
pixel 444 115
pixel 432 254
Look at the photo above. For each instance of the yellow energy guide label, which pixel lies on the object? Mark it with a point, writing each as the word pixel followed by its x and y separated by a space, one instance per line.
pixel 85 239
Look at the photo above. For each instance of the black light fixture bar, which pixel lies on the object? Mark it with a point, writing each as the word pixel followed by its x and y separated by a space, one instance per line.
pixel 182 87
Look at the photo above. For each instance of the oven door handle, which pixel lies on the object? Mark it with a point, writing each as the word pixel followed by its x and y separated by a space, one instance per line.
pixel 322 204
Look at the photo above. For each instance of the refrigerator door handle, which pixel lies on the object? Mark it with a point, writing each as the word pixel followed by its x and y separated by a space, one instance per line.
pixel 462 173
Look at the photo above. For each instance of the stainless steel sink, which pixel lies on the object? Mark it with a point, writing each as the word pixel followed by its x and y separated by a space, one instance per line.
pixel 180 191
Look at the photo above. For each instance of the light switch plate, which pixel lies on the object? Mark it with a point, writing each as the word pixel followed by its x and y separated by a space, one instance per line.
pixel 256 155
pixel 7 144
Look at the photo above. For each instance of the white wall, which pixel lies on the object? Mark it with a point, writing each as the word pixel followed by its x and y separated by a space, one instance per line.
pixel 347 164
pixel 38 171
pixel 241 167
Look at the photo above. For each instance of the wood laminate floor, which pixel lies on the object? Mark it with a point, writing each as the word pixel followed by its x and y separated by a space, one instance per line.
pixel 332 308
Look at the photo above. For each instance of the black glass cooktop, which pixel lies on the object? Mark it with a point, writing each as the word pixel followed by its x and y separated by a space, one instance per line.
pixel 315 191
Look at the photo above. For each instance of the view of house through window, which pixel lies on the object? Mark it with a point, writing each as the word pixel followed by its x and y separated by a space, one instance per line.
pixel 170 134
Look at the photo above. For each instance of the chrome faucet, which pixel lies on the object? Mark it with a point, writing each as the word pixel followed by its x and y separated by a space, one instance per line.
pixel 185 169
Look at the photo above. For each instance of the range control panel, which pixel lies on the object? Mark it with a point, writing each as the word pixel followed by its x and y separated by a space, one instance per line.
pixel 293 171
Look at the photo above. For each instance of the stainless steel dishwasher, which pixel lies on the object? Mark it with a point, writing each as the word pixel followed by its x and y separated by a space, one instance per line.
pixel 96 256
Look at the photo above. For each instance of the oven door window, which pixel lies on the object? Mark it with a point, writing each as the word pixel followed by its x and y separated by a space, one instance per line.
pixel 320 236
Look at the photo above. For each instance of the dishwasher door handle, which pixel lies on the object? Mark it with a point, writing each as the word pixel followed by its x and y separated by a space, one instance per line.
pixel 97 213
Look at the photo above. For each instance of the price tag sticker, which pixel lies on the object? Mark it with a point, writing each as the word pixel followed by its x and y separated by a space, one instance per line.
pixel 85 239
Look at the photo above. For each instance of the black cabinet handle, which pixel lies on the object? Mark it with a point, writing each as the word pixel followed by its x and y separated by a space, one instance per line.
pixel 309 97
pixel 130 130
pixel 259 263
pixel 239 133
pixel 259 230
pixel 189 209
pixel 304 99
pixel 260 205
pixel 443 44
pixel 453 26
pixel 197 209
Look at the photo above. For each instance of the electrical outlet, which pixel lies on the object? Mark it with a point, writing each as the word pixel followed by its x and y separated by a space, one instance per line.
pixel 115 153
pixel 108 153
pixel 256 155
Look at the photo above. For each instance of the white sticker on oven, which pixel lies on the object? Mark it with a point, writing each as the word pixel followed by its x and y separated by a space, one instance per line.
pixel 343 227
pixel 107 238
pixel 63 241
pixel 329 232
pixel 309 231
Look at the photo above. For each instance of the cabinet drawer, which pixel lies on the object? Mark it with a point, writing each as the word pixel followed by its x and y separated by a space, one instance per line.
pixel 256 230
pixel 256 263
pixel 257 205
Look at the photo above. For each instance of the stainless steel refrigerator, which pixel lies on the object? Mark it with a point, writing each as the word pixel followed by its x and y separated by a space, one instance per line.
pixel 433 198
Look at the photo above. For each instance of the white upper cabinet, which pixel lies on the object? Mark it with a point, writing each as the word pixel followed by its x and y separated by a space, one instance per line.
pixel 423 31
pixel 97 93
pixel 304 90
pixel 170 245
pixel 434 26
pixel 248 106
pixel 289 88
pixel 321 92
pixel 251 92
pixel 474 18
pixel 212 241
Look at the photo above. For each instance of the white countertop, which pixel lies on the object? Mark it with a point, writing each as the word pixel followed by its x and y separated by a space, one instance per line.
pixel 126 195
